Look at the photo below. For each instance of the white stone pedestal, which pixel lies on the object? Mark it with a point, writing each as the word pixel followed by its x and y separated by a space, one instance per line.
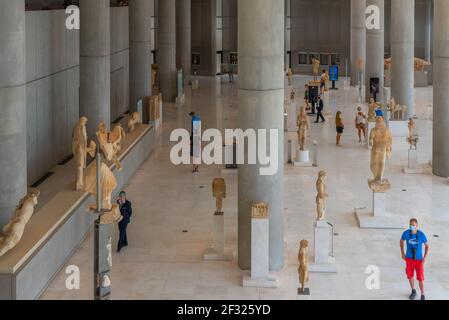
pixel 303 159
pixel 217 252
pixel 303 295
pixel 413 166
pixel 323 262
pixel 260 274
pixel 398 128
pixel 377 217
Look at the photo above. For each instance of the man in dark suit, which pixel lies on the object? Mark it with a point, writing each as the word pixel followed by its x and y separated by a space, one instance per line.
pixel 320 111
pixel 126 212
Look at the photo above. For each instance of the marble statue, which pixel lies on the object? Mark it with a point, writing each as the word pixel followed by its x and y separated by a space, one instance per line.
pixel 14 230
pixel 315 67
pixel 107 187
pixel 397 111
pixel 372 110
pixel 418 64
pixel 303 270
pixel 303 123
pixel 80 150
pixel 359 65
pixel 321 196
pixel 326 81
pixel 219 192
pixel 259 210
pixel 134 121
pixel 412 138
pixel 110 143
pixel 381 141
pixel 290 76
pixel 154 74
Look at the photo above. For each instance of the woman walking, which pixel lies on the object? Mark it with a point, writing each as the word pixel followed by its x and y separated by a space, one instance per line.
pixel 340 127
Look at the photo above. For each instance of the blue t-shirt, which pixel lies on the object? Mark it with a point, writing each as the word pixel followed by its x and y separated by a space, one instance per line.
pixel 414 241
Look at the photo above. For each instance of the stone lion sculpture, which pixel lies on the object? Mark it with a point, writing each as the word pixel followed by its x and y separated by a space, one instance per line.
pixel 134 121
pixel 14 230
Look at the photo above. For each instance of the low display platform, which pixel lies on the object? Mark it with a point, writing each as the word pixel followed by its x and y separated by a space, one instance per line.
pixel 61 223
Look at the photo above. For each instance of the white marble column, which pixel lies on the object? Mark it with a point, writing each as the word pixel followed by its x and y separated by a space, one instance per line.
pixel 13 158
pixel 261 97
pixel 166 54
pixel 139 51
pixel 184 36
pixel 358 38
pixel 375 51
pixel 428 35
pixel 95 63
pixel 441 89
pixel 402 53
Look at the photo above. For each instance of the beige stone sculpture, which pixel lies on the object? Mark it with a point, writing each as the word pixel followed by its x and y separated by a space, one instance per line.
pixel 418 64
pixel 134 121
pixel 303 270
pixel 397 111
pixel 381 141
pixel 14 230
pixel 359 65
pixel 303 123
pixel 412 138
pixel 259 210
pixel 290 76
pixel 219 192
pixel 321 196
pixel 107 187
pixel 315 67
pixel 80 150
pixel 372 110
pixel 110 143
pixel 326 81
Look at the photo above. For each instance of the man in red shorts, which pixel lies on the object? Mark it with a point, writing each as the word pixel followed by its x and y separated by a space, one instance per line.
pixel 414 258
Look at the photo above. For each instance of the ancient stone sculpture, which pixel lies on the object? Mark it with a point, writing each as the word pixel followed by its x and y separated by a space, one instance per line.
pixel 259 210
pixel 219 192
pixel 372 110
pixel 110 143
pixel 315 67
pixel 303 123
pixel 303 270
pixel 359 65
pixel 108 184
pixel 321 196
pixel 381 141
pixel 290 76
pixel 134 121
pixel 154 74
pixel 397 111
pixel 412 138
pixel 14 230
pixel 419 64
pixel 80 150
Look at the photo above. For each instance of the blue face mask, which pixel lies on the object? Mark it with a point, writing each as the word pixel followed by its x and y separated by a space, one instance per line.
pixel 413 228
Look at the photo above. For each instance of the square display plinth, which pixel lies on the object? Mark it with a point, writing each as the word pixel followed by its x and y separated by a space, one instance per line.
pixel 367 220
pixel 329 267
pixel 271 281
pixel 303 295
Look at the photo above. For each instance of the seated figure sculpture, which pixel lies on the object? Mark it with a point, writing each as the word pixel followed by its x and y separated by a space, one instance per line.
pixel 14 230
pixel 110 143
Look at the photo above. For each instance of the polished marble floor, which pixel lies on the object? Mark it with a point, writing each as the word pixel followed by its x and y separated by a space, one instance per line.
pixel 172 221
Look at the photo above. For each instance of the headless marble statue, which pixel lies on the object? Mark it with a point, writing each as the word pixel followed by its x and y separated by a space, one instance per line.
pixel 110 143
pixel 303 270
pixel 321 196
pixel 14 230
pixel 219 193
pixel 381 141
pixel 303 123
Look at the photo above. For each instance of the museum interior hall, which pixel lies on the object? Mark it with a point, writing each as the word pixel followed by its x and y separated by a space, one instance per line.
pixel 224 149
